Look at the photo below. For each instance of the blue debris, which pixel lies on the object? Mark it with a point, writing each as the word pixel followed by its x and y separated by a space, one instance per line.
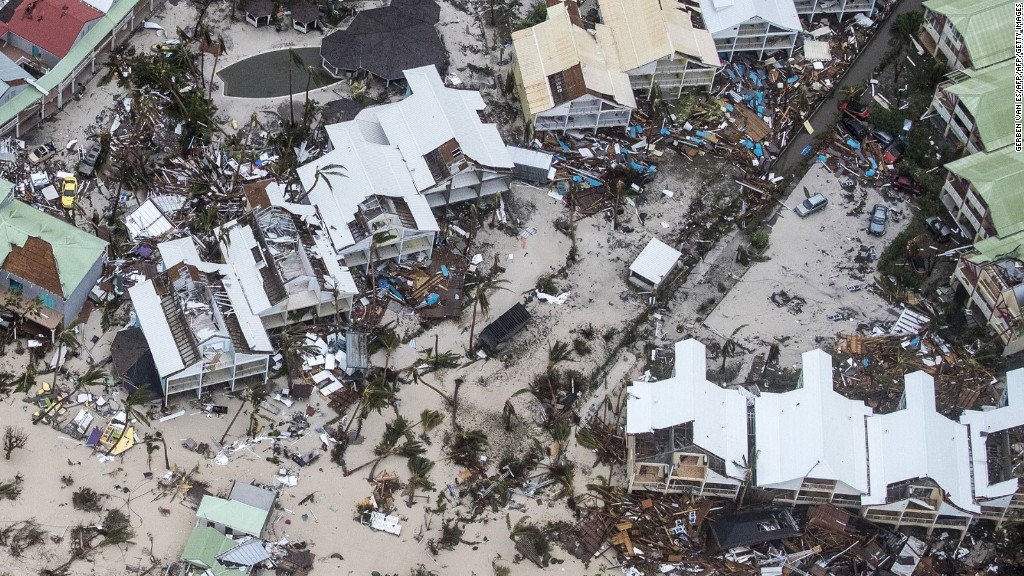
pixel 594 183
pixel 696 139
pixel 873 163
pixel 703 133
pixel 853 143
pixel 444 270
pixel 758 151
pixel 792 80
pixel 822 158
pixel 806 151
pixel 864 362
pixel 652 169
pixel 636 131
pixel 636 166
pixel 577 178
pixel 565 147
pixel 747 144
pixel 732 75
pixel 432 299
pixel 869 173
pixel 665 132
pixel 729 107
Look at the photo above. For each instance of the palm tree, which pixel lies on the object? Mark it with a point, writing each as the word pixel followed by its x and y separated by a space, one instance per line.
pixel 466 448
pixel 729 348
pixel 419 476
pixel 257 394
pixel 294 350
pixel 322 172
pixel 294 61
pixel 375 396
pixel 67 338
pixel 482 289
pixel 220 50
pixel 255 391
pixel 390 341
pixel 389 445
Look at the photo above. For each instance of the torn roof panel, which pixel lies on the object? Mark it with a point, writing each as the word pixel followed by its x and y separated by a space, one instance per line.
pixel 991 420
pixel 150 314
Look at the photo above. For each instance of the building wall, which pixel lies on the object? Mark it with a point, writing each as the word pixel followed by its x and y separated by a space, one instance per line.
pixel 29 48
pixel 949 45
pixel 673 74
pixel 754 37
pixel 584 113
pixel 30 291
pixel 840 8
pixel 77 298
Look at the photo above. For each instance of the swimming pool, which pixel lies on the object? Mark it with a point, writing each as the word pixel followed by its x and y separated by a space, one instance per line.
pixel 266 75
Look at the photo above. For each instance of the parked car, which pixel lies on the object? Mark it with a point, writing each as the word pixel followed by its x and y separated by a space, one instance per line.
pixel 879 215
pixel 92 157
pixel 894 153
pixel 42 153
pixel 940 231
pixel 811 205
pixel 906 184
pixel 855 127
pixel 855 109
pixel 69 192
pixel 883 137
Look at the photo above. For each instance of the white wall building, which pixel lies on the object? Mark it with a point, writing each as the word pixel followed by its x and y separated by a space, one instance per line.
pixel 811 445
pixel 758 27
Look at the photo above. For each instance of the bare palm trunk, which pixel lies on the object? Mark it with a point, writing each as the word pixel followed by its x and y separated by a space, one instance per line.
pixel 213 74
pixel 472 326
pixel 232 423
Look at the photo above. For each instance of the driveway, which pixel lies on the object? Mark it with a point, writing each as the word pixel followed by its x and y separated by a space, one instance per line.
pixel 825 116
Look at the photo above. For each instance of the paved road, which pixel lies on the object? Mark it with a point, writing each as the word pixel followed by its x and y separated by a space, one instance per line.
pixel 826 115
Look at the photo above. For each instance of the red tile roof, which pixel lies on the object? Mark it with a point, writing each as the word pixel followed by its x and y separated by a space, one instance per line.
pixel 52 25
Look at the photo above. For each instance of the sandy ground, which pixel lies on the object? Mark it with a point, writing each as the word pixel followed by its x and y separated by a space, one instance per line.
pixel 599 297
pixel 814 260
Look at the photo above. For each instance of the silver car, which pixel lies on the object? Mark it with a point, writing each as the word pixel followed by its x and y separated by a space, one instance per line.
pixel 879 214
pixel 811 205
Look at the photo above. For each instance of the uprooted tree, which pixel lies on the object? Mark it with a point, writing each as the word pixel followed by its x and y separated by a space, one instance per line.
pixel 14 438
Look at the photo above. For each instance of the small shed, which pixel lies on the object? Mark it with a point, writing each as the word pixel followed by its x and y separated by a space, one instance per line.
pixel 531 165
pixel 499 332
pixel 305 16
pixel 259 12
pixel 653 264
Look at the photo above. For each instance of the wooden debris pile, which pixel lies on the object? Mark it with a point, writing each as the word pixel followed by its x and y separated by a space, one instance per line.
pixel 872 368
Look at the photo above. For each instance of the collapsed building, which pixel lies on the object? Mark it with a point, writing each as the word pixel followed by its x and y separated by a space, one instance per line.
pixel 812 445
pixel 389 166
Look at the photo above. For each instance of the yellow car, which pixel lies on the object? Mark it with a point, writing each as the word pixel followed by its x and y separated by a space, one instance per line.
pixel 68 192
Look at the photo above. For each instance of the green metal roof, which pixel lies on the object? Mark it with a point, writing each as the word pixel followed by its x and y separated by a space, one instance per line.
pixel 998 248
pixel 986 26
pixel 203 547
pixel 236 515
pixel 988 95
pixel 997 177
pixel 74 250
pixel 79 52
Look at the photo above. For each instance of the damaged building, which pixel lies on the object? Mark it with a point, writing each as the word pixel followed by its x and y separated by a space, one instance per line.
pixel 390 165
pixel 812 445
pixel 573 74
pixel 196 316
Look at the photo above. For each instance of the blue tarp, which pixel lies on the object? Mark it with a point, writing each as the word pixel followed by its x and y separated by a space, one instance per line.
pixel 565 147
pixel 665 131
pixel 432 299
pixel 594 183
pixel 853 143
pixel 806 151
pixel 444 270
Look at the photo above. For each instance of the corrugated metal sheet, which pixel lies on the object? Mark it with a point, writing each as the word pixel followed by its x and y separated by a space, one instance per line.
pixel 988 95
pixel 639 29
pixel 655 261
pixel 154 325
pixel 530 165
pixel 997 177
pixel 247 553
pixel 722 15
pixel 986 27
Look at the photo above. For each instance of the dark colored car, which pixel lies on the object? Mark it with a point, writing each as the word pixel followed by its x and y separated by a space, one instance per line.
pixel 92 157
pixel 884 138
pixel 906 184
pixel 894 153
pixel 855 127
pixel 879 215
pixel 855 109
pixel 941 232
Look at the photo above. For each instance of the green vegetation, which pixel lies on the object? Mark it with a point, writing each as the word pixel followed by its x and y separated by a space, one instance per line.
pixel 538 13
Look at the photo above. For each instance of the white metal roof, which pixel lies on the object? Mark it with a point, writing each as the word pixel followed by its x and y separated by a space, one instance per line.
pixel 987 421
pixel 150 220
pixel 723 15
pixel 812 431
pixel 176 251
pixel 719 415
pixel 530 157
pixel 360 169
pixel 252 326
pixel 918 442
pixel 655 261
pixel 237 252
pixel 643 33
pixel 155 328
pixel 435 114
